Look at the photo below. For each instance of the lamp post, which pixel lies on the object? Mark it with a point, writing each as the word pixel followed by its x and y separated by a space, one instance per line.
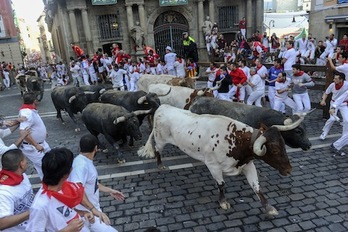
pixel 269 26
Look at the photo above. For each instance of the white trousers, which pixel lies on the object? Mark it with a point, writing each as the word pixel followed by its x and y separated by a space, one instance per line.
pixel 280 102
pixel 341 142
pixel 35 156
pixel 223 96
pixel 329 122
pixel 86 79
pixel 255 97
pixel 303 103
pixel 7 82
pixel 233 91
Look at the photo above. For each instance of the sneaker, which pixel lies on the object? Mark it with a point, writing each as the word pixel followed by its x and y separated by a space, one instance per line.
pixel 322 136
pixel 334 150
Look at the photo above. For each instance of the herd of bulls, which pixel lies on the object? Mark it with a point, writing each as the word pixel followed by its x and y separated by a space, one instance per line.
pixel 226 136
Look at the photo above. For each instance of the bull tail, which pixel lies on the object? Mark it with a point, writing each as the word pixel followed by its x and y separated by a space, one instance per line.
pixel 148 150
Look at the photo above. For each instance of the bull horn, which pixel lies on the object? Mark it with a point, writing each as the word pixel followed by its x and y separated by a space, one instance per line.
pixel 141 100
pixel 258 148
pixel 89 92
pixel 288 121
pixel 102 91
pixel 170 89
pixel 200 93
pixel 119 119
pixel 290 126
pixel 181 81
pixel 72 98
pixel 139 112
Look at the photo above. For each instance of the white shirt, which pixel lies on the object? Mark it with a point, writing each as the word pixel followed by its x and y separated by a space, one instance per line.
pixel 180 68
pixel 117 77
pixel 169 58
pixel 3 147
pixel 35 123
pixel 49 214
pixel 290 56
pixel 15 200
pixel 336 93
pixel 212 74
pixel 262 71
pixel 159 69
pixel 75 71
pixel 84 172
pixel 246 71
pixel 302 44
pixel 257 81
pixel 280 86
pixel 330 45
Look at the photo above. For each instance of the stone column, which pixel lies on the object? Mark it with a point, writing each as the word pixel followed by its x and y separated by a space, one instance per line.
pixel 73 26
pixel 142 16
pixel 212 10
pixel 259 15
pixel 200 22
pixel 129 16
pixel 87 30
pixel 249 18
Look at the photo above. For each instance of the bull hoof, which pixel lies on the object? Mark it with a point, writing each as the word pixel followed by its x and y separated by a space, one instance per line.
pixel 271 211
pixel 225 205
pixel 121 161
pixel 162 167
pixel 77 130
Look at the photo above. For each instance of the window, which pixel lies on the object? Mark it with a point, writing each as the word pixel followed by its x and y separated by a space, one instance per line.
pixel 109 27
pixel 228 18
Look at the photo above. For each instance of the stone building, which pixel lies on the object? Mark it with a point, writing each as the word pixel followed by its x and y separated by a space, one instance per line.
pixel 93 24
pixel 9 47
pixel 45 40
pixel 327 17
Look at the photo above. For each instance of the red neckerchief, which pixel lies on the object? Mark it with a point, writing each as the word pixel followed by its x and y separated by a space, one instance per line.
pixel 258 67
pixel 289 48
pixel 27 106
pixel 299 74
pixel 338 86
pixel 71 196
pixel 10 178
pixel 180 60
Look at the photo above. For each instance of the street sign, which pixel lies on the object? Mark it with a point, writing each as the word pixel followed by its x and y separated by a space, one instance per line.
pixel 103 2
pixel 173 2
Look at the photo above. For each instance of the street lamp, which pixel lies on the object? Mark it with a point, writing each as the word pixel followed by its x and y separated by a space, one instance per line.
pixel 269 26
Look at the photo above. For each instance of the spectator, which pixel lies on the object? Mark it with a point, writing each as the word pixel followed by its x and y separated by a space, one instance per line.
pixel 35 145
pixel 275 44
pixel 53 208
pixel 344 42
pixel 319 50
pixel 169 59
pixel 16 193
pixel 337 88
pixel 179 66
pixel 289 58
pixel 343 68
pixel 190 47
pixel 330 46
pixel 242 27
pixel 84 173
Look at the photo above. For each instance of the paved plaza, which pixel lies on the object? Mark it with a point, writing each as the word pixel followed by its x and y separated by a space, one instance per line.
pixel 184 196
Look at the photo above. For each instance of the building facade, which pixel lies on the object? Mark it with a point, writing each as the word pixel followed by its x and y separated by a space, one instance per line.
pixel 9 46
pixel 45 41
pixel 327 17
pixel 93 24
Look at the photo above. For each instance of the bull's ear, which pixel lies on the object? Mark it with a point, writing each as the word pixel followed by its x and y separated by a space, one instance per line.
pixel 262 127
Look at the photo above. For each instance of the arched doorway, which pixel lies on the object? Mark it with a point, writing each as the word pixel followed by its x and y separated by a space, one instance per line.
pixel 168 29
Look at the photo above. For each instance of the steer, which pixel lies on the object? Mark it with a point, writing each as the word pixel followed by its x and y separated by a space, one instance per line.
pixel 21 81
pixel 70 99
pixel 254 116
pixel 226 146
pixel 146 80
pixel 114 122
pixel 132 101
pixel 95 90
pixel 180 97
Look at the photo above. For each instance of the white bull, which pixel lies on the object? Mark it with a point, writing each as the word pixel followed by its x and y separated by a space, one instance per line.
pixel 146 80
pixel 226 146
pixel 180 97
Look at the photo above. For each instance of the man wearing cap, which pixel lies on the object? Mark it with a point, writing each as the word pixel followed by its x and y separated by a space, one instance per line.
pixel 170 58
pixel 190 47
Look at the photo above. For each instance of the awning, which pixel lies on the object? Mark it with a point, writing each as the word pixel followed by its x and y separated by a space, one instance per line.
pixel 336 19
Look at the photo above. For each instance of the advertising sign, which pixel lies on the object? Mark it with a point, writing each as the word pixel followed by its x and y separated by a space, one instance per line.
pixel 173 2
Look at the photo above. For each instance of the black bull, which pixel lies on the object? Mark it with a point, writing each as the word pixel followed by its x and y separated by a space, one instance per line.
pixel 253 116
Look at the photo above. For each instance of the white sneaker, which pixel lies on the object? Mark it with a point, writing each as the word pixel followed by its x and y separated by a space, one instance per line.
pixel 322 136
